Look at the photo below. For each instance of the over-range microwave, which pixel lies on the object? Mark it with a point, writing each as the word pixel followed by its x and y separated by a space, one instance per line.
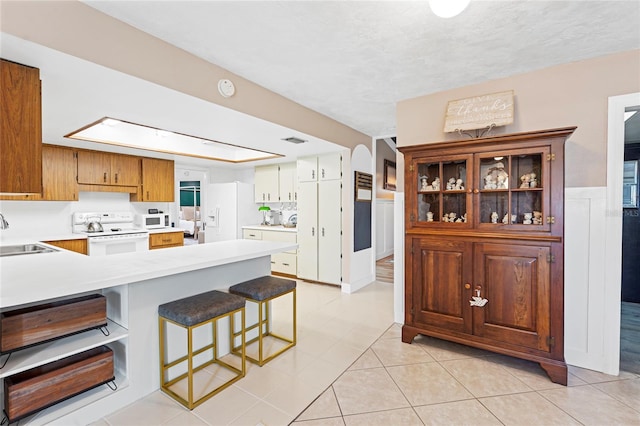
pixel 153 220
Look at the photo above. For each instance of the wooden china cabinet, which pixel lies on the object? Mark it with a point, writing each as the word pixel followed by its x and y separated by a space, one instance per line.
pixel 484 235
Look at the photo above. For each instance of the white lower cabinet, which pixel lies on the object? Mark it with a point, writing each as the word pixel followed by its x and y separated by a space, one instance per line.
pixel 283 263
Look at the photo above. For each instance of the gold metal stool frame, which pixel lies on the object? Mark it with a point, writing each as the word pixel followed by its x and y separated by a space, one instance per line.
pixel 263 321
pixel 240 373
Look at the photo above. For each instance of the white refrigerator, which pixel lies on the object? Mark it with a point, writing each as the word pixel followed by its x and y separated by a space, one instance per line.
pixel 229 207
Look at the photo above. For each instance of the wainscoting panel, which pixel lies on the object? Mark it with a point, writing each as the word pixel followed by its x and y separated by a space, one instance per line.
pixel 585 213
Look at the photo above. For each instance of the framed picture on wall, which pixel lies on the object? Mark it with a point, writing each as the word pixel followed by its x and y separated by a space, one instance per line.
pixel 389 175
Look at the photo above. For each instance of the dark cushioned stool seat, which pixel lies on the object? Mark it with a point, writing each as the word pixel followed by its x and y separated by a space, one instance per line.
pixel 263 288
pixel 262 291
pixel 201 307
pixel 202 312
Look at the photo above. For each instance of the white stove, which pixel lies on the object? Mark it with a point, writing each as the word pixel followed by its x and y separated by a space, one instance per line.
pixel 119 234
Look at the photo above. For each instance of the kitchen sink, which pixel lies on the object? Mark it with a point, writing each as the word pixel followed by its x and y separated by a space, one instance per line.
pixel 25 249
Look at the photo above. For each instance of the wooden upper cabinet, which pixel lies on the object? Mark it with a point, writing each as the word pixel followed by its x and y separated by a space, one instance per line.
pixel 103 168
pixel 20 129
pixel 125 170
pixel 94 168
pixel 157 180
pixel 58 176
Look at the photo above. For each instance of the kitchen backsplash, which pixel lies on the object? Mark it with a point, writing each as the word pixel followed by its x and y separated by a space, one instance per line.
pixel 39 219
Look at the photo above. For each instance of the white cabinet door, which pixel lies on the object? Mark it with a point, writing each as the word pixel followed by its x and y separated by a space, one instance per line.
pixel 267 184
pixel 308 231
pixel 329 232
pixel 288 183
pixel 307 169
pixel 330 166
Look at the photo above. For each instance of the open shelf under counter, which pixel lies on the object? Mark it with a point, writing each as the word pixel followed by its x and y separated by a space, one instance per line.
pixel 68 406
pixel 34 356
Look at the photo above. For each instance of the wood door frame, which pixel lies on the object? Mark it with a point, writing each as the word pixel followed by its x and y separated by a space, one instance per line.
pixel 613 239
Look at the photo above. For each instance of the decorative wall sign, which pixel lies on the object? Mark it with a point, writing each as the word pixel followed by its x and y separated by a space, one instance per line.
pixel 479 112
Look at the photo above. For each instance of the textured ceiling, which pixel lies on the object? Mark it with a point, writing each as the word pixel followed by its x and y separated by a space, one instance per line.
pixel 353 61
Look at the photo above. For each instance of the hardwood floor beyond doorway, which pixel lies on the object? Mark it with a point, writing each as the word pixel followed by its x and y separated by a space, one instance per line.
pixel 384 270
pixel 630 337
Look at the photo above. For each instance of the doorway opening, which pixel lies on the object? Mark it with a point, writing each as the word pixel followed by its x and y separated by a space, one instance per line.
pixel 189 214
pixel 630 294
pixel 385 166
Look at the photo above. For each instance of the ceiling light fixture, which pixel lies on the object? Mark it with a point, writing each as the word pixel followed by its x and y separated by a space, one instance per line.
pixel 131 135
pixel 448 8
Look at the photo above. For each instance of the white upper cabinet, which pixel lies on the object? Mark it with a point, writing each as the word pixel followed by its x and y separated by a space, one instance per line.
pixel 267 185
pixel 330 166
pixel 308 169
pixel 288 183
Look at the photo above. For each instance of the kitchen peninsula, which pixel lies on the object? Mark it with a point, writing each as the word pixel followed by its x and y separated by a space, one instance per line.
pixel 134 284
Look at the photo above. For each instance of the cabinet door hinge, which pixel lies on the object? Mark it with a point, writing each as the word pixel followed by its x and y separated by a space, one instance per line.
pixel 551 157
pixel 551 219
pixel 551 258
pixel 551 341
pixel 411 167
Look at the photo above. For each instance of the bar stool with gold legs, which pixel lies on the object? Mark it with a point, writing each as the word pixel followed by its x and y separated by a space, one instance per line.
pixel 262 291
pixel 189 314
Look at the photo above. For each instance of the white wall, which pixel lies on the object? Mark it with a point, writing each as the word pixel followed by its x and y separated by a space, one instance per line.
pixel 361 263
pixel 384 228
pixel 52 219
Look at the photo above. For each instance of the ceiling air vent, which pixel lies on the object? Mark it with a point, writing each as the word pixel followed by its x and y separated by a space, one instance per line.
pixel 293 139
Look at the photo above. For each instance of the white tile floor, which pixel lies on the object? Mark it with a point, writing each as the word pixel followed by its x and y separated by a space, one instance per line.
pixel 334 329
pixel 351 368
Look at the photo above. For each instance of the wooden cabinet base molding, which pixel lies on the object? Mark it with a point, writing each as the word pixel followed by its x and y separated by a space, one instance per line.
pixel 25 327
pixel 41 387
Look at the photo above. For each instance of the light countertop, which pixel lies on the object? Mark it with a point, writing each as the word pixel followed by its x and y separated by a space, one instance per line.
pixel 70 236
pixel 36 277
pixel 279 228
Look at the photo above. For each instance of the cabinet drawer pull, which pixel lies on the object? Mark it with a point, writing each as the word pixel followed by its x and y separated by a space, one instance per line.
pixel 104 178
pixel 285 264
pixel 475 191
pixel 116 178
pixel 467 286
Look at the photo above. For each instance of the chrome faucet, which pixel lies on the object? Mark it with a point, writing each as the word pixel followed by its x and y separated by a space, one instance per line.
pixel 3 222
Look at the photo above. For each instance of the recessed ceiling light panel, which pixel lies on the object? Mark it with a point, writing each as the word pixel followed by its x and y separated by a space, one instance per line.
pixel 131 135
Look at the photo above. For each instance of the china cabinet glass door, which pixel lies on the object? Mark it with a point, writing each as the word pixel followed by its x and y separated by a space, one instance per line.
pixel 513 189
pixel 443 188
